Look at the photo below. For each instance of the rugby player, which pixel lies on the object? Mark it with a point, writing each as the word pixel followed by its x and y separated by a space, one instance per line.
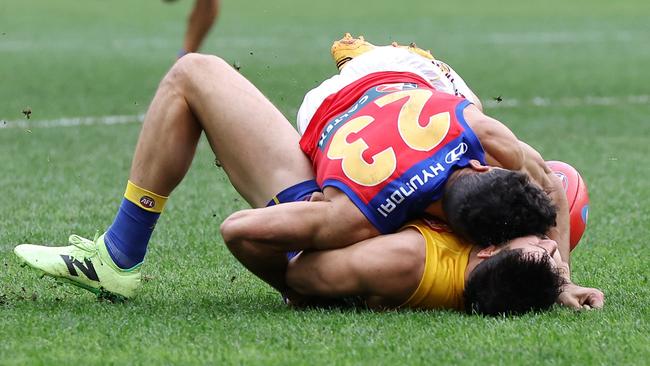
pixel 200 93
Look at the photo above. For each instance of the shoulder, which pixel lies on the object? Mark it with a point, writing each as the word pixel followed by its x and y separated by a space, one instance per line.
pixel 411 241
pixel 403 254
pixel 502 147
pixel 483 125
pixel 402 269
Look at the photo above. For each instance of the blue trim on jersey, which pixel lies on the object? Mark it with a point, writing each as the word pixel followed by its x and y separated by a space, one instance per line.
pixel 292 255
pixel 298 192
pixel 407 196
pixel 473 139
pixel 356 200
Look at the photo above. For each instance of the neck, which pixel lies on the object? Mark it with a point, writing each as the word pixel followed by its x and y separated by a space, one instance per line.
pixel 435 209
pixel 473 261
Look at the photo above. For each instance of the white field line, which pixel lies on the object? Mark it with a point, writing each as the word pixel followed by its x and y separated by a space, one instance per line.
pixel 567 101
pixel 74 121
pixel 540 102
pixel 269 42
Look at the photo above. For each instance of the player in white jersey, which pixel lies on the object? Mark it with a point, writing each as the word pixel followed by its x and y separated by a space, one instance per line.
pixel 385 58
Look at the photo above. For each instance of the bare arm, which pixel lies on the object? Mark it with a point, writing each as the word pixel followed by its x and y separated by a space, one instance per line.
pixel 299 226
pixel 537 169
pixel 269 263
pixel 260 238
pixel 385 270
pixel 503 149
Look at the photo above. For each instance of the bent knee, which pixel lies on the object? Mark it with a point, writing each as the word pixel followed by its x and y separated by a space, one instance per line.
pixel 193 67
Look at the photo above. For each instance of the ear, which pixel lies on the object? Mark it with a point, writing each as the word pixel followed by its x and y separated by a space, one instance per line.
pixel 486 253
pixel 477 166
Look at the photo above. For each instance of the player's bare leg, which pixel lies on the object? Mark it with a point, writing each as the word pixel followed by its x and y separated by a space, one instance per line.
pixel 255 144
pixel 257 147
pixel 199 93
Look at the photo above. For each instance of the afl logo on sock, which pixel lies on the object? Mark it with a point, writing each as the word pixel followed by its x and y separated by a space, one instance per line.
pixel 147 202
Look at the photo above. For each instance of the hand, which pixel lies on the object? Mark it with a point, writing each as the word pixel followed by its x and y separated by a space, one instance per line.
pixel 578 297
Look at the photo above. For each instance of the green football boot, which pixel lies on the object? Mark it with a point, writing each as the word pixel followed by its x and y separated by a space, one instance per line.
pixel 85 264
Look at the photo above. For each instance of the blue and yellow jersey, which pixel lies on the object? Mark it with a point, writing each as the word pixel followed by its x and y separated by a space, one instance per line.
pixel 443 280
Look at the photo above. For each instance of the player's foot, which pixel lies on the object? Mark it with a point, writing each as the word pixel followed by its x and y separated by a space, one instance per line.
pixel 348 47
pixel 412 47
pixel 85 264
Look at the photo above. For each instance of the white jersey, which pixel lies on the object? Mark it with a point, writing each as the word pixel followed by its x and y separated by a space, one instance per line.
pixel 385 58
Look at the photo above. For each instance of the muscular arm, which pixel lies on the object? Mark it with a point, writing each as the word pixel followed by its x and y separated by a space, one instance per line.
pixel 503 149
pixel 379 269
pixel 291 226
pixel 537 169
pixel 385 270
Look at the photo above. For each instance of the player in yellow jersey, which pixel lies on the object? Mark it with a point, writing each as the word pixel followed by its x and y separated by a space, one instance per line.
pixel 422 266
pixel 426 267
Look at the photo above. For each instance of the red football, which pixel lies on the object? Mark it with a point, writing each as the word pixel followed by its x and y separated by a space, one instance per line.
pixel 577 195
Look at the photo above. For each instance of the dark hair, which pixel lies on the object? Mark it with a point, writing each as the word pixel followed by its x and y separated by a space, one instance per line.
pixel 493 207
pixel 512 283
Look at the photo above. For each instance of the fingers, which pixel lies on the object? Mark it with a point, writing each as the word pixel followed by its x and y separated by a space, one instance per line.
pixel 573 303
pixel 593 299
pixel 596 300
pixel 581 298
pixel 569 300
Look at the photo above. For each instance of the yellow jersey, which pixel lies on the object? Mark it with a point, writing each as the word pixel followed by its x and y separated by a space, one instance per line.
pixel 443 280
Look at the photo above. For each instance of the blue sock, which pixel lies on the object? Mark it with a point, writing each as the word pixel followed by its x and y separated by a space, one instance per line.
pixel 127 239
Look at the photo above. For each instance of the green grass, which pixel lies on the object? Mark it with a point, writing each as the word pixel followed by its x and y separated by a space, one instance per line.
pixel 199 306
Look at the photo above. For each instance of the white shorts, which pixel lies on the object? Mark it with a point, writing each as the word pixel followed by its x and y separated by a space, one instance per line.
pixel 386 58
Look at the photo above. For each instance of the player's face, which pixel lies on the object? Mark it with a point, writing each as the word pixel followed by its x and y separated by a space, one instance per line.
pixel 537 246
pixel 533 244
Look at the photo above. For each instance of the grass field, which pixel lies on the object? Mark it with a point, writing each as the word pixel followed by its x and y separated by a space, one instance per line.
pixel 575 84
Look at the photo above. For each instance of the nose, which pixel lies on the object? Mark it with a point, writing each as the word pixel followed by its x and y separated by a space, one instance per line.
pixel 549 245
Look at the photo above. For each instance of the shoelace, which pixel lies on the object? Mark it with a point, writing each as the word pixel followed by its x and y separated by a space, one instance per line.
pixel 86 245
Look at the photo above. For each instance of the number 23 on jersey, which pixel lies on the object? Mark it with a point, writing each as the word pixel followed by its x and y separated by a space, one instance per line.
pixel 380 166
